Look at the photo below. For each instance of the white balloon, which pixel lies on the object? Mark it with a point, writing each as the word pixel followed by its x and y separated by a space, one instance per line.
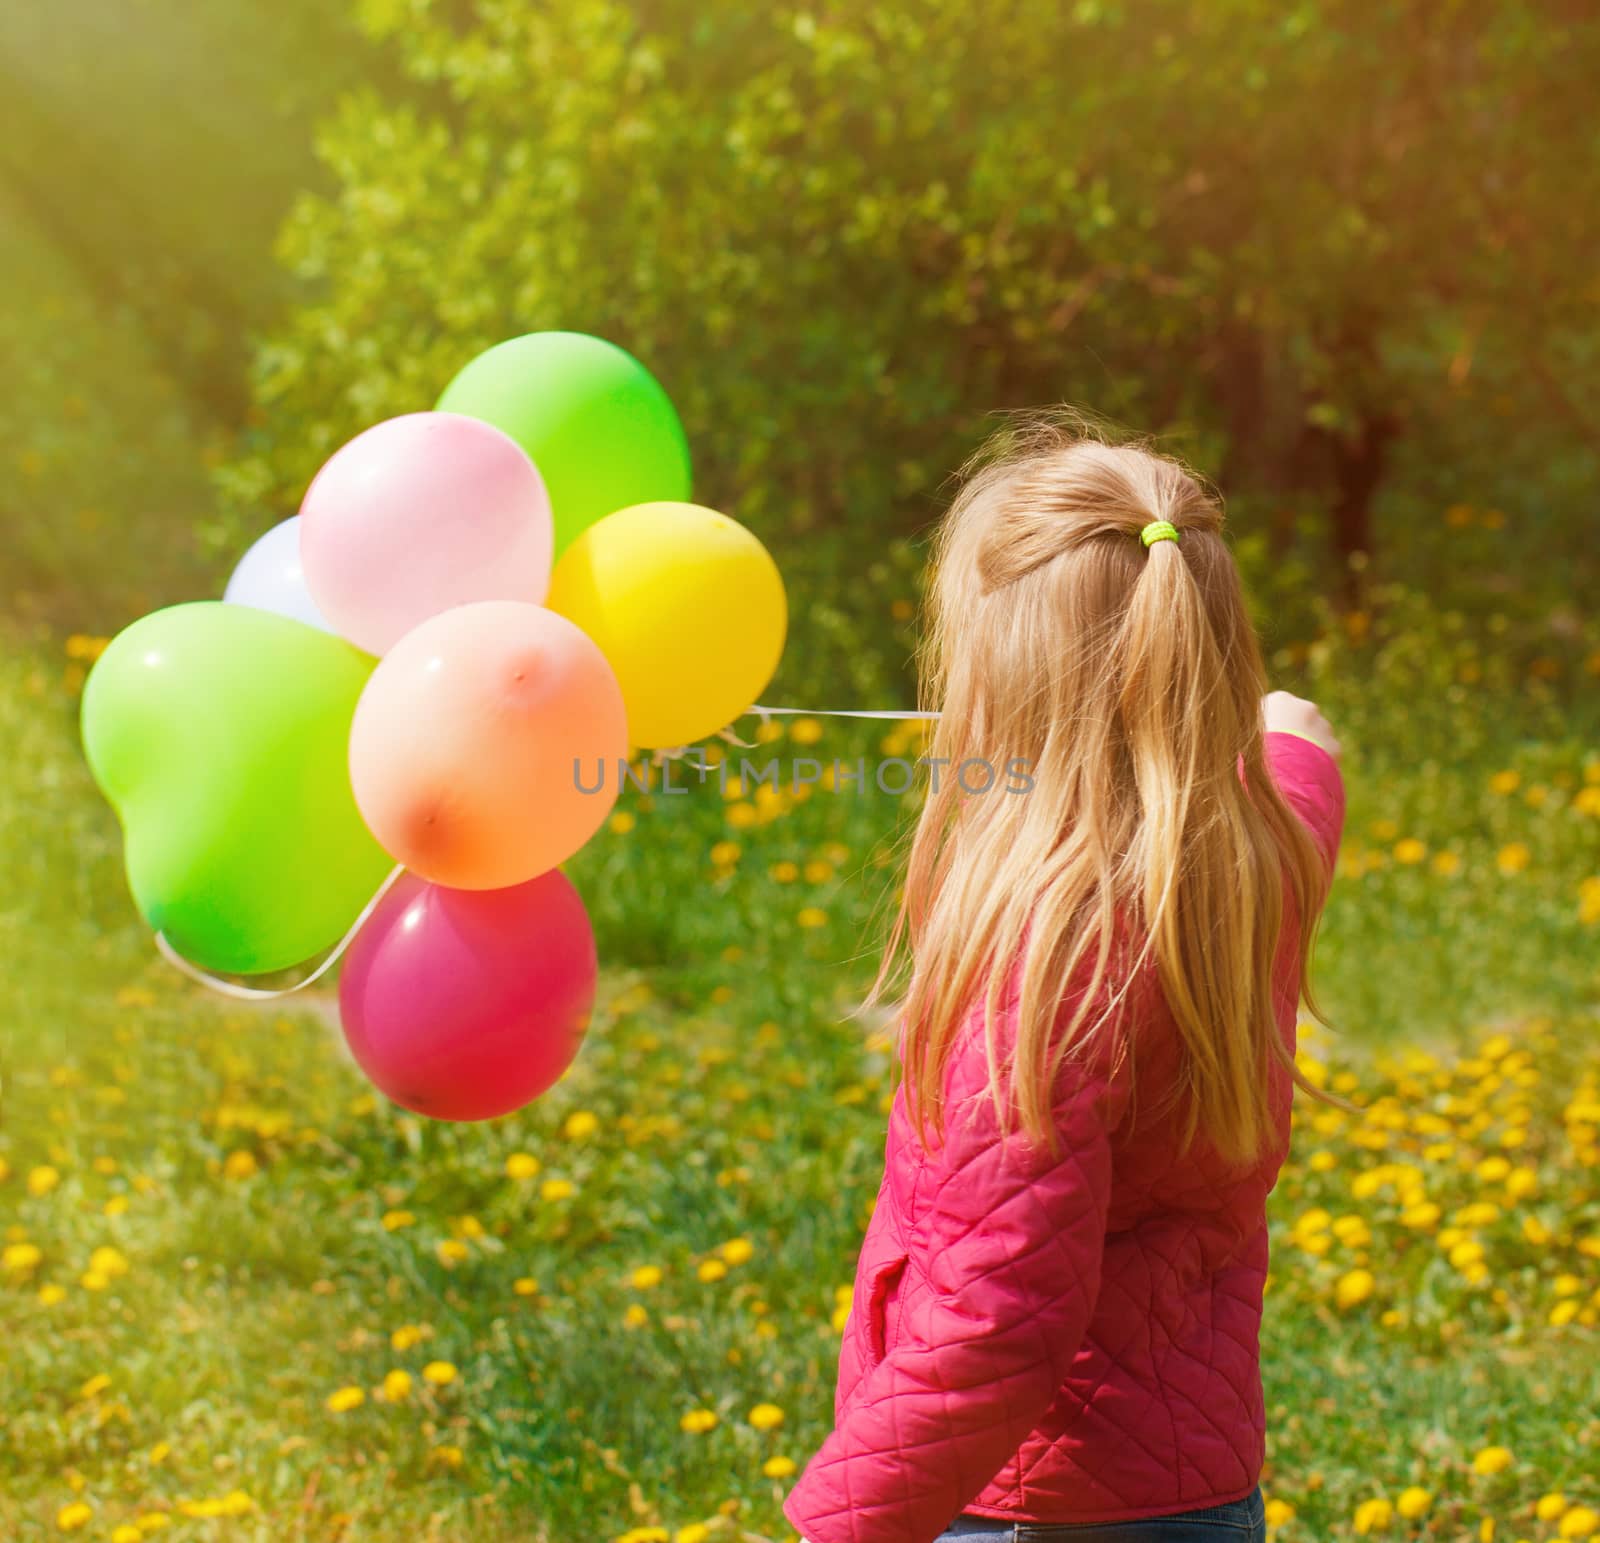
pixel 269 578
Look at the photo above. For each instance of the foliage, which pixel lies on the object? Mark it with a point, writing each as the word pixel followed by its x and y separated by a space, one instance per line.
pixel 1305 238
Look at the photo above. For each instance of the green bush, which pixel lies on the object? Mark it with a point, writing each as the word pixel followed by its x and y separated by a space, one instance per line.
pixel 1301 239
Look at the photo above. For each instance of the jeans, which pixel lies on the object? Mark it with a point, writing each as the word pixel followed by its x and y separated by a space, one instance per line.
pixel 1239 1521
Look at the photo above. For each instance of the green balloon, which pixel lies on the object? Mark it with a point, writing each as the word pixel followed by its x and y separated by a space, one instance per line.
pixel 595 422
pixel 220 734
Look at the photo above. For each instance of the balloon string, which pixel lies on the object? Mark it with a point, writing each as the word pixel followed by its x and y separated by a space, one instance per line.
pixel 837 712
pixel 240 993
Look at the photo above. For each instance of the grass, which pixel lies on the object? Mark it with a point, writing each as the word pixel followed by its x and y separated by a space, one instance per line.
pixel 217 1238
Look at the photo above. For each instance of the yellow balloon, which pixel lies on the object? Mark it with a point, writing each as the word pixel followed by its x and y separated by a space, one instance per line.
pixel 688 608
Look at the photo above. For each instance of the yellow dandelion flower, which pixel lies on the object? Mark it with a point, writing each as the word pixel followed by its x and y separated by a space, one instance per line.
pixel 1580 1522
pixel 394 1221
pixel 447 1456
pixel 108 1261
pixel 1279 1513
pixel 51 1294
pixel 240 1164
pixel 580 1124
pixel 397 1386
pixel 117 1205
pixel 695 1532
pixel 522 1165
pixel 1410 851
pixel 19 1258
pixel 95 1386
pixel 635 1317
pixel 93 1280
pixel 41 1181
pixel 697 1422
pixel 1550 1506
pixel 737 1250
pixel 711 1270
pixel 645 1277
pixel 440 1373
pixel 1373 1516
pixel 1589 901
pixel 1504 782
pixel 557 1189
pixel 1354 1287
pixel 1492 1460
pixel 766 1417
pixel 406 1337
pixel 805 731
pixel 452 1251
pixel 1563 1313
pixel 725 853
pixel 1446 864
pixel 1413 1502
pixel 525 1286
pixel 622 822
pixel 73 1517
pixel 1352 1231
pixel 812 917
pixel 1513 858
pixel 344 1400
pixel 127 1533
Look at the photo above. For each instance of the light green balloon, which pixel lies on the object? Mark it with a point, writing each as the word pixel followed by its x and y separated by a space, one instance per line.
pixel 596 423
pixel 220 734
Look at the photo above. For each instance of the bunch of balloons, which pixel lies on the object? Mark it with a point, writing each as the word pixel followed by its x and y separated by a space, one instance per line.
pixel 441 662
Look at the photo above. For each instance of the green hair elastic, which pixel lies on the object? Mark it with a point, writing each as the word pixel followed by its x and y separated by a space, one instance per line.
pixel 1159 530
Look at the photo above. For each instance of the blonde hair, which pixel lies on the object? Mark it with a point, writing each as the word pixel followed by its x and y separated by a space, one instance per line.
pixel 1130 679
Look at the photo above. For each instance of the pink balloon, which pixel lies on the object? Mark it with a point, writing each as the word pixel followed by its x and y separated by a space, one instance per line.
pixel 467 1004
pixel 485 745
pixel 418 514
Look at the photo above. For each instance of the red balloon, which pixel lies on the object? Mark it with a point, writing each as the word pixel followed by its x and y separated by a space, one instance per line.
pixel 464 1004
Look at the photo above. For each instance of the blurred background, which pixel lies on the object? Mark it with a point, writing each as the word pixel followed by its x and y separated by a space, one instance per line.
pixel 1338 255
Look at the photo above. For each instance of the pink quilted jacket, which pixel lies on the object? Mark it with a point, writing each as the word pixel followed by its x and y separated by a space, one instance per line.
pixel 1060 1341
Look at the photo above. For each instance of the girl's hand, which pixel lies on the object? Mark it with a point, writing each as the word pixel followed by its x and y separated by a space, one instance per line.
pixel 1284 713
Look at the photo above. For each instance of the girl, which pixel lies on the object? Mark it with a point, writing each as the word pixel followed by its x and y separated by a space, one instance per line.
pixel 1054 1331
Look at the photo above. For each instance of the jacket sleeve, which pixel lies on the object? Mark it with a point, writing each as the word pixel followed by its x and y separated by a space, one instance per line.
pixel 1011 1239
pixel 1310 781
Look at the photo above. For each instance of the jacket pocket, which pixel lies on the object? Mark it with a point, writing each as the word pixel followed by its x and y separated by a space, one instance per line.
pixel 882 1306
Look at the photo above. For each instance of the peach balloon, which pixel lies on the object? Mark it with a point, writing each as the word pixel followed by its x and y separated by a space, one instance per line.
pixel 418 514
pixel 484 748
